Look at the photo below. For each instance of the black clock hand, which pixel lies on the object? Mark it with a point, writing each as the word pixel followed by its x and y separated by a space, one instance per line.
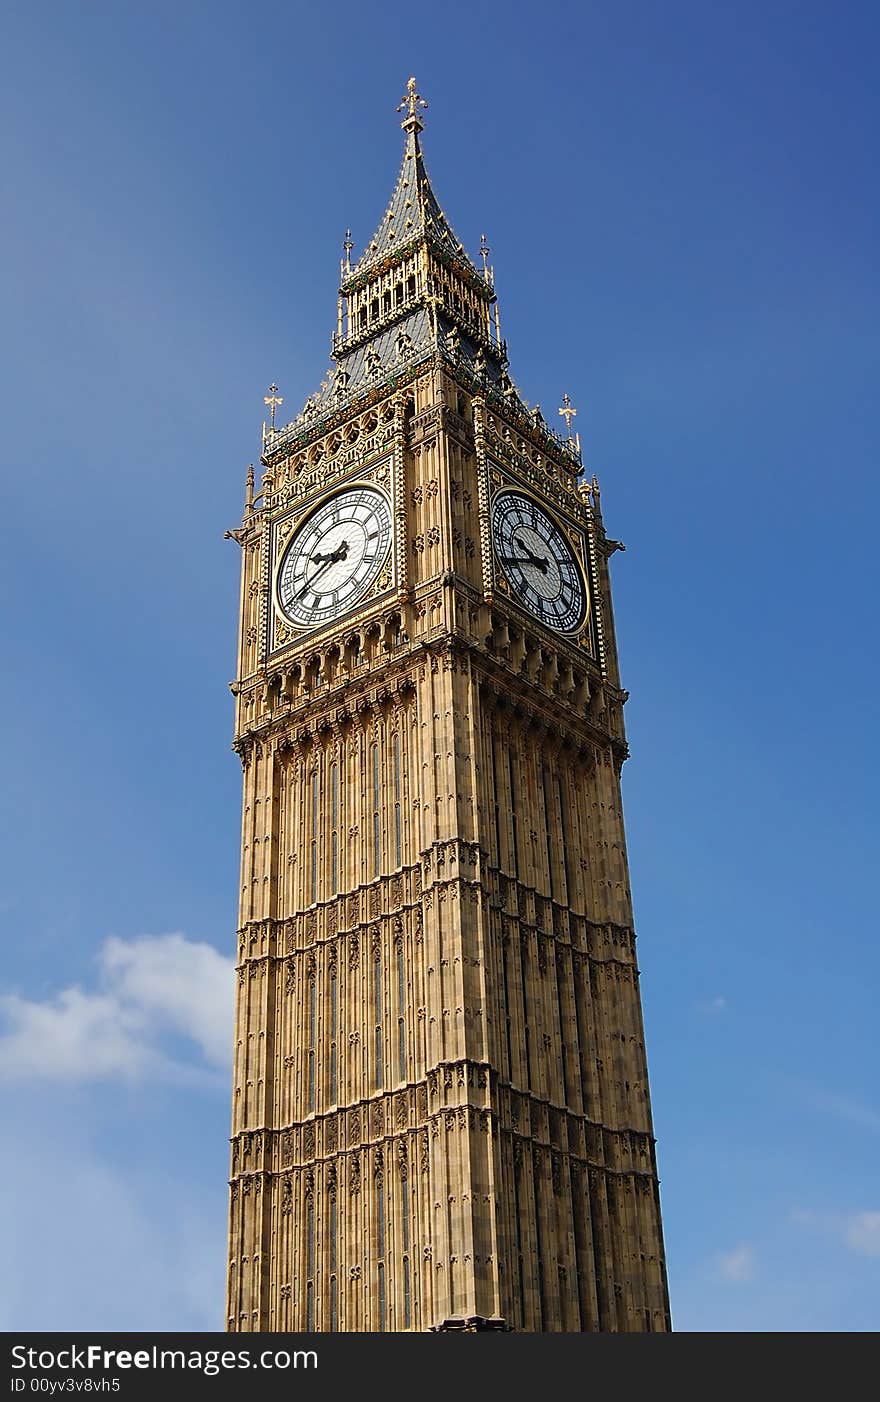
pixel 539 561
pixel 330 559
pixel 523 560
pixel 338 554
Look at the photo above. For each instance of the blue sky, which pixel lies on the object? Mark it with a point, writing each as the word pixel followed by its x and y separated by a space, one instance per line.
pixel 681 201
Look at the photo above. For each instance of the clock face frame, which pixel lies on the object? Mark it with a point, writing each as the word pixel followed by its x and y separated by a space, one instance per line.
pixel 538 562
pixel 334 556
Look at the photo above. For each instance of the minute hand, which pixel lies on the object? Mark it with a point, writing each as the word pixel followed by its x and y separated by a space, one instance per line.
pixel 331 559
pixel 540 560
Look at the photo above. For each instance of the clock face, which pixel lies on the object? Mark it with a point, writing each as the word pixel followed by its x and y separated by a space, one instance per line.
pixel 538 562
pixel 334 557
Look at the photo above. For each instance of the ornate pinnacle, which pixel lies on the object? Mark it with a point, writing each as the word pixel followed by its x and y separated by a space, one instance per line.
pixel 485 250
pixel 273 399
pixel 568 412
pixel 412 101
pixel 347 246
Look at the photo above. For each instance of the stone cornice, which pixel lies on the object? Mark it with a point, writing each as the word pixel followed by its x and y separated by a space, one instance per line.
pixel 557 938
pixel 394 682
pixel 402 1115
pixel 360 910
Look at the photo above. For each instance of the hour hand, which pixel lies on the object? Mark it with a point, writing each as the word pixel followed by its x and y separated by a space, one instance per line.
pixel 338 554
pixel 524 560
pixel 539 561
pixel 325 560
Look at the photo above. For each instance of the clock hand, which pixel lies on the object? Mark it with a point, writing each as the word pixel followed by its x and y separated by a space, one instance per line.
pixel 337 554
pixel 330 559
pixel 519 560
pixel 539 561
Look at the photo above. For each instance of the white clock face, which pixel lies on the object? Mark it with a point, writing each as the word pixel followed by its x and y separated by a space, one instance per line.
pixel 334 557
pixel 538 562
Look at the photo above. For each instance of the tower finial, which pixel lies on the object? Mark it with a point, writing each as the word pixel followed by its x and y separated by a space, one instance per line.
pixel 273 399
pixel 485 250
pixel 412 101
pixel 347 246
pixel 568 412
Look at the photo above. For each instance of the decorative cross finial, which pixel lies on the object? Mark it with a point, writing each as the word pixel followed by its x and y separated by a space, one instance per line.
pixel 273 399
pixel 485 250
pixel 568 412
pixel 412 101
pixel 347 246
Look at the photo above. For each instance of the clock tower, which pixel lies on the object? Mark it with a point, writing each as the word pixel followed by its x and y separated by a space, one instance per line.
pixel 441 1116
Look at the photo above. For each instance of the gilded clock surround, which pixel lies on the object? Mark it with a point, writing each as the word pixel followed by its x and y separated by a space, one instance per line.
pixel 441 1116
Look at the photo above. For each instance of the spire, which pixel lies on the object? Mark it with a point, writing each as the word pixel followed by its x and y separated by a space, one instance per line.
pixel 413 211
pixel 413 295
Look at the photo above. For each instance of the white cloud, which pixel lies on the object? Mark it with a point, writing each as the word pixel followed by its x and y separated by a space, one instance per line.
pixel 147 988
pixel 188 985
pixel 862 1233
pixel 712 1005
pixel 736 1266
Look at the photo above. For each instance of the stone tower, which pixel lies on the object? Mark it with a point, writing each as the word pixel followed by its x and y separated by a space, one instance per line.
pixel 441 1115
